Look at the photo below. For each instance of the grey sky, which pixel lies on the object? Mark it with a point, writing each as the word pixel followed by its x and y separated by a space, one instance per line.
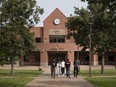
pixel 66 6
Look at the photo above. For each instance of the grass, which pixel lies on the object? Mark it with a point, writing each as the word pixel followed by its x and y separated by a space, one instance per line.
pixel 108 79
pixel 109 72
pixel 20 73
pixel 103 81
pixel 14 82
pixel 20 78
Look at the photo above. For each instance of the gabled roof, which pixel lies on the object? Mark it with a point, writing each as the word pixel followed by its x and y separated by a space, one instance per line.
pixel 56 10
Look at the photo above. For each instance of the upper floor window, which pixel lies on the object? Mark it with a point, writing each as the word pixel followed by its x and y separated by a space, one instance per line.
pixel 37 40
pixel 57 39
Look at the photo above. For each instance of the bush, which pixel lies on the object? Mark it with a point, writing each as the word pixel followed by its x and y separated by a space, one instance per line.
pixel 3 62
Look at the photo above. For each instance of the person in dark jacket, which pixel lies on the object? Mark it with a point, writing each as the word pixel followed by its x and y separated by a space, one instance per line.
pixel 67 66
pixel 76 64
pixel 53 68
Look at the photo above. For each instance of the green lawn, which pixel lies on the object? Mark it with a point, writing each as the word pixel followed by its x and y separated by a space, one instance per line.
pixel 103 81
pixel 14 82
pixel 109 72
pixel 20 78
pixel 99 79
pixel 20 73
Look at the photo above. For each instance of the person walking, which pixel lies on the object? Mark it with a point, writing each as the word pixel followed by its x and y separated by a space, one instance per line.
pixel 62 67
pixel 76 64
pixel 53 68
pixel 67 65
pixel 59 69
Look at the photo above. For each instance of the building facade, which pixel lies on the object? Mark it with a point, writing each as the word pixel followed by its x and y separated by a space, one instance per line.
pixel 51 42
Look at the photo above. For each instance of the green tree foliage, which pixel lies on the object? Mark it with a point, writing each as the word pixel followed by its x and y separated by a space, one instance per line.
pixel 16 19
pixel 108 6
pixel 80 24
pixel 100 16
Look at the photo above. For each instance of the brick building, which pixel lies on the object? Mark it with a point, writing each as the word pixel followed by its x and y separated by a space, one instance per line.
pixel 51 42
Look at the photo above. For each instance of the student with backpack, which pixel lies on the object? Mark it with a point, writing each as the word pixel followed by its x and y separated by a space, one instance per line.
pixel 53 68
pixel 76 64
pixel 67 65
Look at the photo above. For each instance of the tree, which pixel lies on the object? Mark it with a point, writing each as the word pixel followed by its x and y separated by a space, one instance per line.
pixel 108 12
pixel 17 17
pixel 101 20
pixel 110 7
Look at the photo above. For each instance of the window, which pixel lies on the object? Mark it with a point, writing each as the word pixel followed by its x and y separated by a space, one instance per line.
pixel 86 58
pixel 26 58
pixel 57 39
pixel 111 58
pixel 37 40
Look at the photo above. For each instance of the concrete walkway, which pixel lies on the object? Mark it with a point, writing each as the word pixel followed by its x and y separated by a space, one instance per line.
pixel 45 81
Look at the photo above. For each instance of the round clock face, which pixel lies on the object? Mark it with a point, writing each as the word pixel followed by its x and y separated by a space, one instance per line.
pixel 57 21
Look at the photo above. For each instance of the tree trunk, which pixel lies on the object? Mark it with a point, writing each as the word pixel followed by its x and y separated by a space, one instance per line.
pixel 102 63
pixel 12 66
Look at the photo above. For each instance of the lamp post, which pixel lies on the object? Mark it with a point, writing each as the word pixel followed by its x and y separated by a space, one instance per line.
pixel 90 52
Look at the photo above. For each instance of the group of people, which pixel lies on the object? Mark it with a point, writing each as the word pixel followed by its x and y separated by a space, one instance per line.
pixel 61 66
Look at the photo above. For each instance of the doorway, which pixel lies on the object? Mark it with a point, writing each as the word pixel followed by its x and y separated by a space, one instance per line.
pixel 58 56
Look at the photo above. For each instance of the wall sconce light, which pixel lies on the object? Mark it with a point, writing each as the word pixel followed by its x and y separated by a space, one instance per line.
pixel 43 51
pixel 70 51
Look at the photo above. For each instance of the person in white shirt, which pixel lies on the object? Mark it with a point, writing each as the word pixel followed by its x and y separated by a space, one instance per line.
pixel 62 67
pixel 59 68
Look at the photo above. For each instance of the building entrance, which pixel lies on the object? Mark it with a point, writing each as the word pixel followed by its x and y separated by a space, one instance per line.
pixel 58 56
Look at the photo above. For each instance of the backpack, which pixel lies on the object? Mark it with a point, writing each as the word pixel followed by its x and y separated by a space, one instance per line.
pixel 76 63
pixel 53 65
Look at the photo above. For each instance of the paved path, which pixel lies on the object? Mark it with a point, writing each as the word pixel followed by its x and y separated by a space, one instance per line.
pixel 45 81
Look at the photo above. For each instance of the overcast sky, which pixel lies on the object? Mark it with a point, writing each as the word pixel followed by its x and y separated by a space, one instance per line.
pixel 66 6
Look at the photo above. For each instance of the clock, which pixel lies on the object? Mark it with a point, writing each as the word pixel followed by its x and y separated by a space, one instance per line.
pixel 56 21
